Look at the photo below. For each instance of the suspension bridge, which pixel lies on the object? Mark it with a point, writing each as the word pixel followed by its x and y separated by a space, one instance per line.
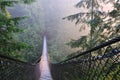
pixel 105 65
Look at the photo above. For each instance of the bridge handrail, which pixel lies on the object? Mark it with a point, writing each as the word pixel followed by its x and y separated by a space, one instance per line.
pixel 99 63
pixel 112 41
pixel 14 59
pixel 12 69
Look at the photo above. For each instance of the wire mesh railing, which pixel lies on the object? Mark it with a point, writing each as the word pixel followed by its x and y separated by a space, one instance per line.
pixel 13 69
pixel 99 63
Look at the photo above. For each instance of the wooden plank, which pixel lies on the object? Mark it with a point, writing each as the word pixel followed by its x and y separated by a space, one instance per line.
pixel 44 65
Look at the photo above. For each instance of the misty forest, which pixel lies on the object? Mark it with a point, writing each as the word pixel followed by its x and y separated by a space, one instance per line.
pixel 83 39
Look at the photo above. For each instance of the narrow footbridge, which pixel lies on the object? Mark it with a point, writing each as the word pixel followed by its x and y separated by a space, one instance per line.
pixel 99 63
pixel 44 64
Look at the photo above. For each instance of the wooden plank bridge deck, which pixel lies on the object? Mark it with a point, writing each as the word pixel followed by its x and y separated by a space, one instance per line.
pixel 44 64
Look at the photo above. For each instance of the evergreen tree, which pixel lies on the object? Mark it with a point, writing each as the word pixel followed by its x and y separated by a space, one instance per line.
pixel 103 25
pixel 8 27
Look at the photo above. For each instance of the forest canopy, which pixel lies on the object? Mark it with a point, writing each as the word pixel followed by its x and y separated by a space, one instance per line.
pixel 12 41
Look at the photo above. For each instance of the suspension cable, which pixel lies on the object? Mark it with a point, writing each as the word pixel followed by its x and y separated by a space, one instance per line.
pixel 112 41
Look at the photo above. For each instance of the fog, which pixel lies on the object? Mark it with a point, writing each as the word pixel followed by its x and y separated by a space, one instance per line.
pixel 45 16
pixel 54 11
pixel 61 31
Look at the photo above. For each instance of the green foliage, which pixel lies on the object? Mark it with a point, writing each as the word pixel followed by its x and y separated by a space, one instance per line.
pixel 33 31
pixel 27 1
pixel 35 41
pixel 103 25
pixel 76 43
pixel 95 22
pixel 10 3
pixel 81 17
pixel 4 4
pixel 9 26
pixel 114 13
pixel 7 42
